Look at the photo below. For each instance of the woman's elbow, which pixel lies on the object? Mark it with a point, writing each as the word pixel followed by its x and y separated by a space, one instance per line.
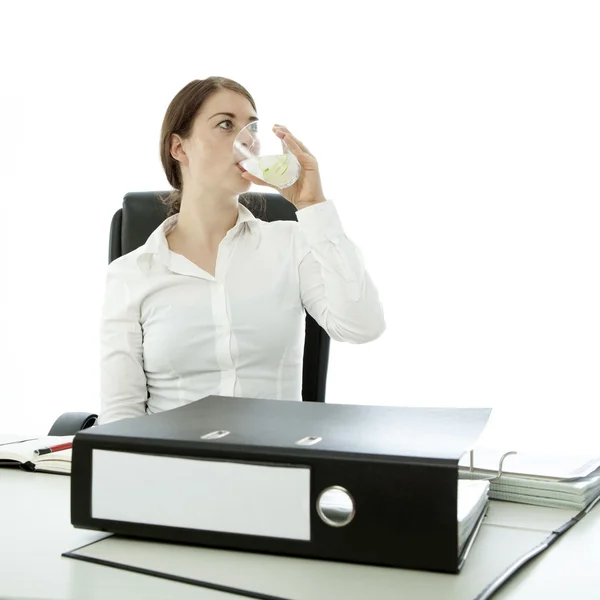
pixel 374 332
pixel 361 333
pixel 117 409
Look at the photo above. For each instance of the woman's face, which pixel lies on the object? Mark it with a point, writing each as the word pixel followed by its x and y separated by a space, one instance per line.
pixel 207 159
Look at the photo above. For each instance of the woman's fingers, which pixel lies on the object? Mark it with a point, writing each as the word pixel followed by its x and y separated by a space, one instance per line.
pixel 284 133
pixel 294 146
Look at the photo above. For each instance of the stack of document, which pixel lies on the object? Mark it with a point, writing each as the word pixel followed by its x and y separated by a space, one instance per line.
pixel 472 500
pixel 557 481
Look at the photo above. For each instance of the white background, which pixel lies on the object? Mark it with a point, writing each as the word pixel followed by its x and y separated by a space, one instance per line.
pixel 459 140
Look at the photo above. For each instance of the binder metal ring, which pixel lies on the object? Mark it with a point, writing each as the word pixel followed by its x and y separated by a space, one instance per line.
pixel 500 465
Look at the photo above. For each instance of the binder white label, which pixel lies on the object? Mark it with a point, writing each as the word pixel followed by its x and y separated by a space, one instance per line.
pixel 222 496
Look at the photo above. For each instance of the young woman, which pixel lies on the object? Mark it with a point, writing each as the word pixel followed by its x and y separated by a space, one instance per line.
pixel 214 302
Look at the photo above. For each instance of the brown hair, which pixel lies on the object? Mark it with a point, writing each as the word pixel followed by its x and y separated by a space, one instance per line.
pixel 179 119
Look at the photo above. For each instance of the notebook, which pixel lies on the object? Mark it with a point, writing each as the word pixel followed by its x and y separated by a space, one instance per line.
pixel 22 455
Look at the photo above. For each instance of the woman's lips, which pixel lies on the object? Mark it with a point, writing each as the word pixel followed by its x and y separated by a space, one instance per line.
pixel 241 168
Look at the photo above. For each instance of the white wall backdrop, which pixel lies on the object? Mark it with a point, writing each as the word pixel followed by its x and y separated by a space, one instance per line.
pixel 459 141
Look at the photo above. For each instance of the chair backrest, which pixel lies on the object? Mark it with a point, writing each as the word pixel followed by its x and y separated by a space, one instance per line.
pixel 143 212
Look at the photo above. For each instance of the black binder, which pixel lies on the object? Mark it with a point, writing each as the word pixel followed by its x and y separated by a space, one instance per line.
pixel 272 476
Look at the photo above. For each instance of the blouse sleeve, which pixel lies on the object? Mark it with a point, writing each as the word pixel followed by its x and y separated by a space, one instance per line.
pixel 122 378
pixel 335 287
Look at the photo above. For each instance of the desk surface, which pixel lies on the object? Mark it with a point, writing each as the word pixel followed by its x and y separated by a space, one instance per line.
pixel 35 526
pixel 35 530
pixel 568 569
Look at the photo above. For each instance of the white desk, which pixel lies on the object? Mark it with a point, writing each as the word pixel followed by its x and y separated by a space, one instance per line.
pixel 568 569
pixel 35 530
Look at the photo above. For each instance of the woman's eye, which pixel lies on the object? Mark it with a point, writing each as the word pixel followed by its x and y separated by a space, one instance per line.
pixel 226 122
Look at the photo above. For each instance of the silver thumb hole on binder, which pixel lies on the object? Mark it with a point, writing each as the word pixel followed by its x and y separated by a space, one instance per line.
pixel 336 506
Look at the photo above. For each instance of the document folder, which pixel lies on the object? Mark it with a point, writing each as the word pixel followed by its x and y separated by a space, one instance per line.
pixel 366 484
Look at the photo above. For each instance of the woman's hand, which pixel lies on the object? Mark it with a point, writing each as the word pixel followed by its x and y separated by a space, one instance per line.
pixel 307 191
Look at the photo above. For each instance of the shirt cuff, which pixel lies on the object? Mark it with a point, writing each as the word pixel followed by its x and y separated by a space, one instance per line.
pixel 320 223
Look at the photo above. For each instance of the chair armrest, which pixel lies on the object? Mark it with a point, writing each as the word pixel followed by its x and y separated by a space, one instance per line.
pixel 70 423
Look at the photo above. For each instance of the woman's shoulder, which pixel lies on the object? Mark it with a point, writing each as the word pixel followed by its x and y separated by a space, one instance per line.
pixel 126 263
pixel 123 262
pixel 124 280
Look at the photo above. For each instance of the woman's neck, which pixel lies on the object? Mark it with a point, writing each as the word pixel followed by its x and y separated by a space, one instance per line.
pixel 205 218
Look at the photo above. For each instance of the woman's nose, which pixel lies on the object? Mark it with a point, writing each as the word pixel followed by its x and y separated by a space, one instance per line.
pixel 245 138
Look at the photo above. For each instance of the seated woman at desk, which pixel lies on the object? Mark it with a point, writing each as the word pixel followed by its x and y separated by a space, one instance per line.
pixel 213 302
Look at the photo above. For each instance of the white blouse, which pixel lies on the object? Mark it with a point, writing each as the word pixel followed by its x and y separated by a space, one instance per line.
pixel 171 333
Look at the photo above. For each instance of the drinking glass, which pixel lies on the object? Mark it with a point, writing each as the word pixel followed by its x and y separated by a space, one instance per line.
pixel 266 156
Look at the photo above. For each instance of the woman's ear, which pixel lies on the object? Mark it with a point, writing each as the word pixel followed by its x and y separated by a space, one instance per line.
pixel 177 150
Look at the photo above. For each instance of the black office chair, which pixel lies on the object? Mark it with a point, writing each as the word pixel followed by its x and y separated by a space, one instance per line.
pixel 131 225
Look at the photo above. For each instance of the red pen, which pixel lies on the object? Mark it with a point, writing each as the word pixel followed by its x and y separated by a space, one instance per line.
pixel 50 449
